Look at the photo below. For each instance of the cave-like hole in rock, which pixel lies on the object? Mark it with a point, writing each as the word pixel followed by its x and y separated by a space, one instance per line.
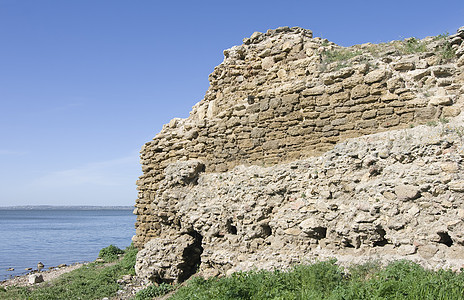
pixel 191 257
pixel 231 228
pixel 382 241
pixel 267 231
pixel 323 232
pixel 347 244
pixel 319 233
pixel 445 238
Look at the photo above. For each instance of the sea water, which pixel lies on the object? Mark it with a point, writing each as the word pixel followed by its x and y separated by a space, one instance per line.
pixel 59 236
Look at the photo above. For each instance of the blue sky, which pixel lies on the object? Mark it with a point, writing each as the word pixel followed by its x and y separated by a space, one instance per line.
pixel 84 84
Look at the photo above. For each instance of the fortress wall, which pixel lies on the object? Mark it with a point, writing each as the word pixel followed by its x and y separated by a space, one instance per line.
pixel 284 95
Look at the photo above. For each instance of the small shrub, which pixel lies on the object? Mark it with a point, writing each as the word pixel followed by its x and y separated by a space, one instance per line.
pixel 129 259
pixel 460 131
pixel 444 120
pixel 446 52
pixel 427 94
pixel 432 123
pixel 442 36
pixel 413 45
pixel 325 42
pixel 339 55
pixel 110 253
pixel 154 291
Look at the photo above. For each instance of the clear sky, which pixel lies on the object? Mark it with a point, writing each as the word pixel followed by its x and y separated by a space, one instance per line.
pixel 85 83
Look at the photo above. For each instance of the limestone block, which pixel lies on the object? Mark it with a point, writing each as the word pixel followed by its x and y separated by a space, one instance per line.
pixel 334 88
pixel 360 91
pixel 443 71
pixel 427 251
pixel 441 100
pixel 419 74
pixel 407 192
pixel 35 278
pixel 449 167
pixel 451 111
pixel 317 90
pixel 404 250
pixel 343 73
pixel 369 114
pixel 183 172
pixel 387 97
pixel 267 63
pixel 353 81
pixel 403 65
pixel 407 96
pixel 341 97
pixel 376 75
pixel 460 61
pixel 314 228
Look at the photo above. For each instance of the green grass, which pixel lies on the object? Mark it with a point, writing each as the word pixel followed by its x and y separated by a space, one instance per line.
pixel 110 253
pixel 339 55
pixel 322 280
pixel 413 45
pixel 154 291
pixel 446 52
pixel 326 280
pixel 92 281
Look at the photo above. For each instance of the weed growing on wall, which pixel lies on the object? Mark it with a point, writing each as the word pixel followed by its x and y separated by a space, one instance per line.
pixel 412 45
pixel 338 55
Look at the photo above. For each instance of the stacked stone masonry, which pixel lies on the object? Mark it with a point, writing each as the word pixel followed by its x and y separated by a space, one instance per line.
pixel 219 179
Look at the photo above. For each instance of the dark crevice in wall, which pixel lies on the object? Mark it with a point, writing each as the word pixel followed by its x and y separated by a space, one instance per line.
pixel 382 241
pixel 445 238
pixel 191 257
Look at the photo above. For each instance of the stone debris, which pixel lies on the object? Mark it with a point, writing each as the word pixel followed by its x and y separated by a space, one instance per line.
pixel 301 150
pixel 35 278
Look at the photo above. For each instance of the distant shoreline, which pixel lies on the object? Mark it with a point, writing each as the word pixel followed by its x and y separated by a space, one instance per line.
pixel 65 207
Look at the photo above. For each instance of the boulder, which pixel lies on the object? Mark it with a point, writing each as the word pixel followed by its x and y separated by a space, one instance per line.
pixel 407 192
pixel 35 278
pixel 169 259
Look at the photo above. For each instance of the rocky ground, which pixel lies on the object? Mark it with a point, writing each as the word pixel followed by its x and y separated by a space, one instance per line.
pixel 48 275
pixel 130 285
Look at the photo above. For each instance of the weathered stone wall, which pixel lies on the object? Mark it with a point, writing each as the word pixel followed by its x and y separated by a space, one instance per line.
pixel 283 96
pixel 391 195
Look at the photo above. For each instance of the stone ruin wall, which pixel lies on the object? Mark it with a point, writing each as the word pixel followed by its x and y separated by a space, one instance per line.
pixel 281 97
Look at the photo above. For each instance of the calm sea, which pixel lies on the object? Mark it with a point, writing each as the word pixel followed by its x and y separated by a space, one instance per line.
pixel 57 236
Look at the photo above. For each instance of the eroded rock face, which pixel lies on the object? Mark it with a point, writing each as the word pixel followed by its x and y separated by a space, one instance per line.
pixel 170 259
pixel 333 205
pixel 238 180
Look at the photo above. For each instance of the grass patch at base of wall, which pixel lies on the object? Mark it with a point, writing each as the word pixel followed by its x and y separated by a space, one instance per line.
pixel 326 280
